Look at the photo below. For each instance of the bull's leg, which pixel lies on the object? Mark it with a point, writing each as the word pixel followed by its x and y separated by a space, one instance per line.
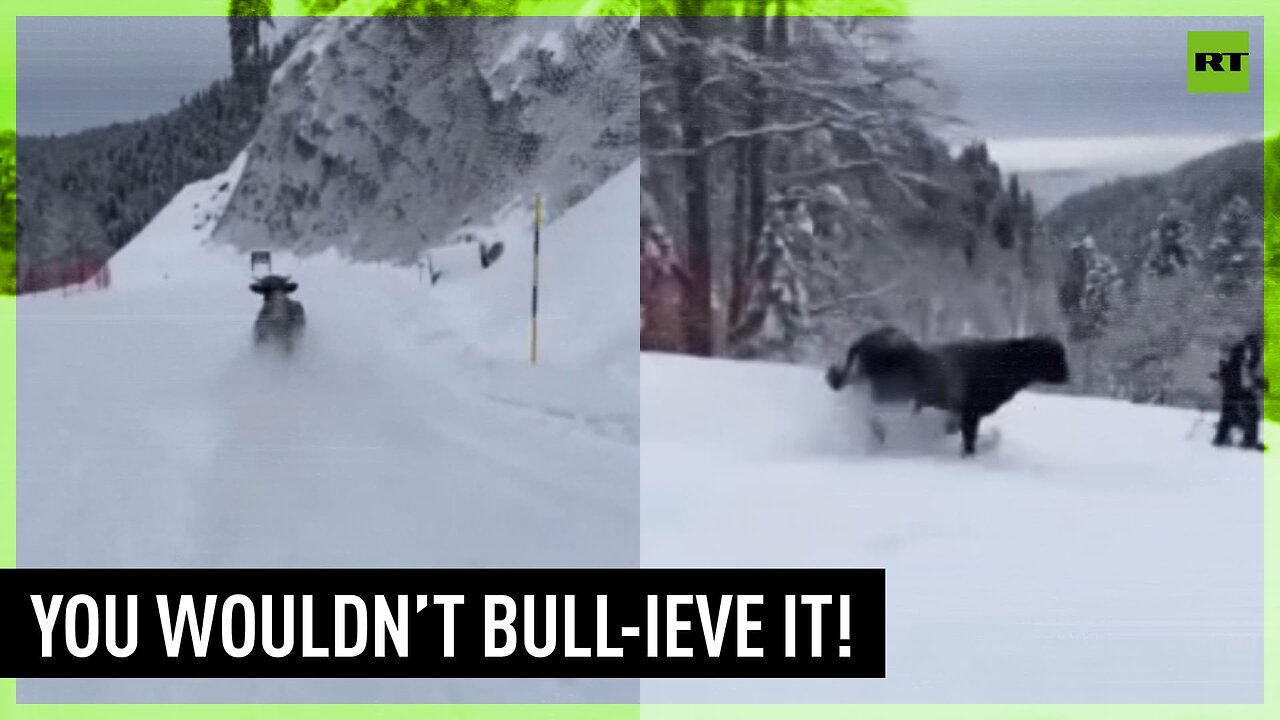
pixel 835 377
pixel 1226 422
pixel 877 430
pixel 952 424
pixel 969 432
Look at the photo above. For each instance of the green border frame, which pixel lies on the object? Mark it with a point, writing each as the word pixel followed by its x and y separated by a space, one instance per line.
pixel 1270 707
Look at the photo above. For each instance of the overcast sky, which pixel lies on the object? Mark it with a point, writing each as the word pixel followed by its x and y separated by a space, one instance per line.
pixel 1015 77
pixel 1071 77
pixel 79 72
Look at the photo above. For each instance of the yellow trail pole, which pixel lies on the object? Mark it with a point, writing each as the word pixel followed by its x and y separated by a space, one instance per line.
pixel 537 228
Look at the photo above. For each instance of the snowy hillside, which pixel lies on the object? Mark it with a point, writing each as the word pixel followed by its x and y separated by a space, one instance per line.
pixel 409 431
pixel 382 135
pixel 1095 555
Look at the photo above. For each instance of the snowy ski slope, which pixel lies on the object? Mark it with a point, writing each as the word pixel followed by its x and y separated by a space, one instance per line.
pixel 410 430
pixel 1095 555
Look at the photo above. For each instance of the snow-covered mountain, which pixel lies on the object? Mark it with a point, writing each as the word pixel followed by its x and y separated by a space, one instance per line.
pixel 383 135
pixel 1101 552
pixel 409 431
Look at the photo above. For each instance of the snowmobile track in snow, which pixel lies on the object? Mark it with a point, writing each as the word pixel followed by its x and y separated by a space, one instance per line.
pixel 619 427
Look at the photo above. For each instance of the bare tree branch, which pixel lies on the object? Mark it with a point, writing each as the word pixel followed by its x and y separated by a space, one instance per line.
pixel 821 173
pixel 894 177
pixel 854 297
pixel 728 136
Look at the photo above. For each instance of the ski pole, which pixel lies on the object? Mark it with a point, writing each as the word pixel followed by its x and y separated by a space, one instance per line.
pixel 533 336
pixel 1197 423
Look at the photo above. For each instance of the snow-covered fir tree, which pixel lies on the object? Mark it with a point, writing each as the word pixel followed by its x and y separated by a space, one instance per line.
pixel 733 109
pixel 776 317
pixel 1091 290
pixel 1156 331
pixel 1102 284
pixel 1091 299
pixel 1169 250
pixel 1235 253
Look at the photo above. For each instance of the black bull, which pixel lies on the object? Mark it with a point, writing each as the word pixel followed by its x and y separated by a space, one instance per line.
pixel 969 379
pixel 281 319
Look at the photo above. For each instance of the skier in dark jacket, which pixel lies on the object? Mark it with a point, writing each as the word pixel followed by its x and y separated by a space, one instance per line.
pixel 1240 375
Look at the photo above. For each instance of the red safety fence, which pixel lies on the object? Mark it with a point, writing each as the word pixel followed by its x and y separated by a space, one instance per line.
pixel 77 275
pixel 664 290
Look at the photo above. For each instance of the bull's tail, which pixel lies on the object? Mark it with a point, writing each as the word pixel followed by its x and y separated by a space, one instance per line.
pixel 838 375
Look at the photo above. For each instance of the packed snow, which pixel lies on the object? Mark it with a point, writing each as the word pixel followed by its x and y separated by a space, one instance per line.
pixel 1094 552
pixel 410 430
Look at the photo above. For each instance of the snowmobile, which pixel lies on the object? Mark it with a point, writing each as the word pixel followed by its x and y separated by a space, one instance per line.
pixel 256 258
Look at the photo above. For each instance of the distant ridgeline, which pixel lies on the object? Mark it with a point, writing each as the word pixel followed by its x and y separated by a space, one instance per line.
pixel 1121 214
pixel 84 195
pixel 1162 270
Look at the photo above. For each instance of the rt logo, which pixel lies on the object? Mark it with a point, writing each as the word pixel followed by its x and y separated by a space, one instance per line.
pixel 1217 62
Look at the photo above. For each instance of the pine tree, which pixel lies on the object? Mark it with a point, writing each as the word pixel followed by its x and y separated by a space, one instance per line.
pixel 1100 302
pixel 777 312
pixel 249 64
pixel 1090 297
pixel 699 318
pixel 1235 253
pixel 1026 225
pixel 1008 216
pixel 734 108
pixel 981 196
pixel 1169 249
